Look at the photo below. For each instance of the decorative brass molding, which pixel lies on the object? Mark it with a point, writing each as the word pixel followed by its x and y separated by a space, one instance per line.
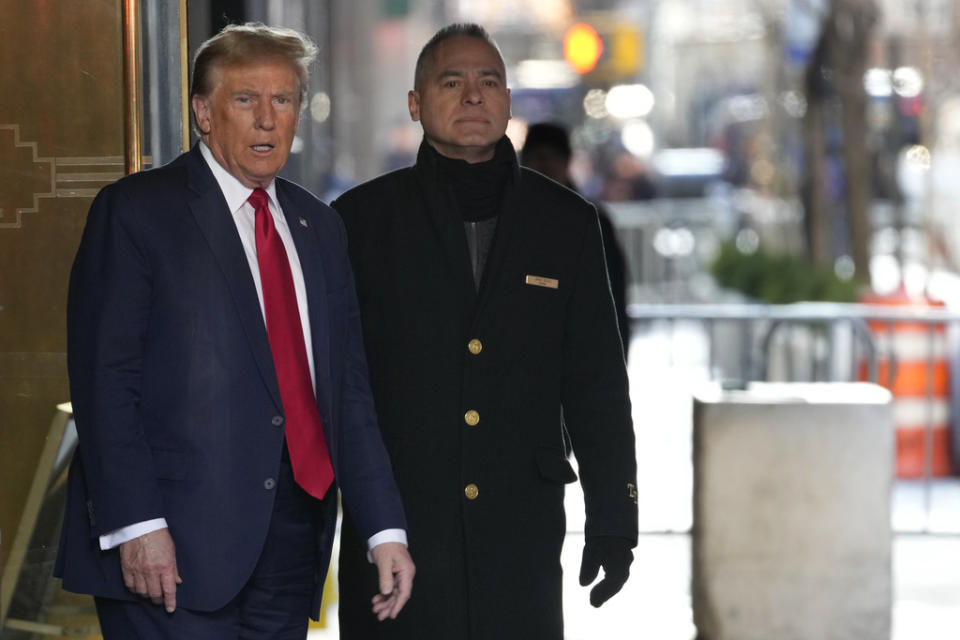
pixel 83 177
pixel 76 177
pixel 17 221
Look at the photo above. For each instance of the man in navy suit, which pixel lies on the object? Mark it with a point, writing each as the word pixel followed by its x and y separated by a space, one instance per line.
pixel 207 300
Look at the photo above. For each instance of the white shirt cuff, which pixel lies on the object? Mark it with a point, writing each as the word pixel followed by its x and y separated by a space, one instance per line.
pixel 118 536
pixel 387 535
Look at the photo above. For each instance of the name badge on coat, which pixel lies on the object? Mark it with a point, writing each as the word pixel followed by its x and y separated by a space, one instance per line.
pixel 540 281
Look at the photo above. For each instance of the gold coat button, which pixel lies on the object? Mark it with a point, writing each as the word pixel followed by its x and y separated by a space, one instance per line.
pixel 472 418
pixel 475 346
pixel 471 491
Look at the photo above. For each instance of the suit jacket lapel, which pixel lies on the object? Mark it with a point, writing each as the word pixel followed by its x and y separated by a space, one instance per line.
pixel 216 223
pixel 305 237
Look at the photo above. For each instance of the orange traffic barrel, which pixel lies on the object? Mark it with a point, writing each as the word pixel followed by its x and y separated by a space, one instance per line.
pixel 913 363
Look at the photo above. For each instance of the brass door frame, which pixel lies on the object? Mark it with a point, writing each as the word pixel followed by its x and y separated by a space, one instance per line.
pixel 184 80
pixel 133 73
pixel 93 169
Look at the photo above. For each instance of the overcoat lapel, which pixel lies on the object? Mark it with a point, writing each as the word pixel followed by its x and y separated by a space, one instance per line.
pixel 315 280
pixel 442 211
pixel 508 230
pixel 213 217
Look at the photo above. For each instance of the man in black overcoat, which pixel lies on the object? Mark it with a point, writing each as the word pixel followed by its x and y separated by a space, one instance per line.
pixel 493 349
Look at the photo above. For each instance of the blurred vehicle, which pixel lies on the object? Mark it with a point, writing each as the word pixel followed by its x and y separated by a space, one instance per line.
pixel 687 172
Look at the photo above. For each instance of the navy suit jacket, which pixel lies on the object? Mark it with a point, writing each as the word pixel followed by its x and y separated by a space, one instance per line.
pixel 174 392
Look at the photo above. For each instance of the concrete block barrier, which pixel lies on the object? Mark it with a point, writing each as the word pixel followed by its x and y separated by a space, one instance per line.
pixel 791 535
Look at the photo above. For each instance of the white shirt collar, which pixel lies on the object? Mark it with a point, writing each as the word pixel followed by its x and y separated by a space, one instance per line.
pixel 233 190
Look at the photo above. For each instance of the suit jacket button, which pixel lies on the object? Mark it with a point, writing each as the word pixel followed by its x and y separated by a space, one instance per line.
pixel 475 346
pixel 269 484
pixel 472 418
pixel 471 491
pixel 277 421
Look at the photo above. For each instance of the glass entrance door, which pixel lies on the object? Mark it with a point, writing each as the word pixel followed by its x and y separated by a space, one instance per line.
pixel 63 120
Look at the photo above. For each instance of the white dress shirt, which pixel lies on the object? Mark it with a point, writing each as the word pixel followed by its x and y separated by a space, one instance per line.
pixel 243 213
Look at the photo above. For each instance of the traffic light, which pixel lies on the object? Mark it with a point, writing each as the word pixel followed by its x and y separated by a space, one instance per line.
pixel 608 51
pixel 582 47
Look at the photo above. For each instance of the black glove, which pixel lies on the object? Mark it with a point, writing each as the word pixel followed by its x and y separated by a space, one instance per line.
pixel 614 554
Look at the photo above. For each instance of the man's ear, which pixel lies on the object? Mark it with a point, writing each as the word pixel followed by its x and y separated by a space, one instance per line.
pixel 413 104
pixel 509 104
pixel 201 113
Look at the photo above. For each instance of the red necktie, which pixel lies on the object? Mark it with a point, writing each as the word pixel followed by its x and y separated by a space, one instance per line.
pixel 309 455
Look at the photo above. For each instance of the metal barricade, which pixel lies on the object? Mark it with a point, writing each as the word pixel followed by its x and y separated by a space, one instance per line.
pixel 832 342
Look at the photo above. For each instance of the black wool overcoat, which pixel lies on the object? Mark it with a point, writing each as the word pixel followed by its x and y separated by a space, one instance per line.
pixel 472 391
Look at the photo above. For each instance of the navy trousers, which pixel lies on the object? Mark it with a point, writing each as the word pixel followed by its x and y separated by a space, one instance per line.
pixel 275 603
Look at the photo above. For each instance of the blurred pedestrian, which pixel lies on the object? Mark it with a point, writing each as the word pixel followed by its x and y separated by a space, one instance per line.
pixel 547 150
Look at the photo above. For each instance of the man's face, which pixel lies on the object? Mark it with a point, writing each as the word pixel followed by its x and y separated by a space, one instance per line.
pixel 250 117
pixel 463 102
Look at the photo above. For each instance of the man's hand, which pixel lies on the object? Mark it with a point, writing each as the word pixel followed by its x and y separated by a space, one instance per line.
pixel 149 565
pixel 396 578
pixel 614 554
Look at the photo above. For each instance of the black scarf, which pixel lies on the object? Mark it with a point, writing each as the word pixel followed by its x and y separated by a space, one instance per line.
pixel 477 188
pixel 478 192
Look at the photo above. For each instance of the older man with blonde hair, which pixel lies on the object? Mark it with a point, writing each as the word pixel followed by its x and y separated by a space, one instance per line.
pixel 218 378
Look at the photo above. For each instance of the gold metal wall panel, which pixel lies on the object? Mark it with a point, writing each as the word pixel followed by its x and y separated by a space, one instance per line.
pixel 61 139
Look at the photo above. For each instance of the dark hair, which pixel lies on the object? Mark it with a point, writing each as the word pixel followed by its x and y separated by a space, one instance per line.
pixel 465 29
pixel 243 43
pixel 549 136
